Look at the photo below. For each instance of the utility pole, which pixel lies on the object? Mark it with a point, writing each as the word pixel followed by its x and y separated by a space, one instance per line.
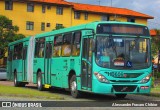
pixel 111 3
pixel 99 1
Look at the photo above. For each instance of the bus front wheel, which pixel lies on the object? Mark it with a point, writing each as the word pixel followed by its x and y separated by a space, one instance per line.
pixel 121 96
pixel 73 87
pixel 39 82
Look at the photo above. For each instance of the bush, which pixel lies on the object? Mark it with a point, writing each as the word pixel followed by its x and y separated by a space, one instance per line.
pixel 152 83
pixel 158 74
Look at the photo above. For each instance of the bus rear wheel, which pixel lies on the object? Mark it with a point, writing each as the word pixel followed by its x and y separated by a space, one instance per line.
pixel 73 87
pixel 16 83
pixel 121 96
pixel 39 82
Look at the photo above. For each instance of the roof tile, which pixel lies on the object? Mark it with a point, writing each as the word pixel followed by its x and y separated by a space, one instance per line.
pixel 153 32
pixel 108 10
pixel 62 2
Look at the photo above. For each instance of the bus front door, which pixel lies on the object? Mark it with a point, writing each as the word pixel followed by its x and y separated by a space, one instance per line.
pixel 86 76
pixel 47 64
pixel 24 63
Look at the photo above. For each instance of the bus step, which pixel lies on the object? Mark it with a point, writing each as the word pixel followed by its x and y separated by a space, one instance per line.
pixel 47 86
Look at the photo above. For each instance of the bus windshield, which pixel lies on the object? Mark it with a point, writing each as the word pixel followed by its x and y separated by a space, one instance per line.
pixel 123 52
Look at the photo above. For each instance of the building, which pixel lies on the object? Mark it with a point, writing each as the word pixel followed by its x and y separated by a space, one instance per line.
pixel 36 16
pixel 153 33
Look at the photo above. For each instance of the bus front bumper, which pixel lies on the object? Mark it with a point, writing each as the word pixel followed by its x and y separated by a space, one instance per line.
pixel 121 88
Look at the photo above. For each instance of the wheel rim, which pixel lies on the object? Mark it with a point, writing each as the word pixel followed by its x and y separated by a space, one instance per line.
pixel 39 82
pixel 15 79
pixel 74 86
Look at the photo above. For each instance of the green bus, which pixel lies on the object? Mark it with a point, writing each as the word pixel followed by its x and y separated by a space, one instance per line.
pixel 99 57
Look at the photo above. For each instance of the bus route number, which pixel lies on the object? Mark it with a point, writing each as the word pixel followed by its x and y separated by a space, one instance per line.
pixel 115 74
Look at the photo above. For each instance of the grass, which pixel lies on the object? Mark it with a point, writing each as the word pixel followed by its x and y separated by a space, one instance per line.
pixel 26 92
pixel 155 91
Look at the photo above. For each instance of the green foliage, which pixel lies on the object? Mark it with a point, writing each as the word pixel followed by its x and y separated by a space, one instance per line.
pixel 8 33
pixel 156 43
pixel 58 27
pixel 152 84
pixel 158 75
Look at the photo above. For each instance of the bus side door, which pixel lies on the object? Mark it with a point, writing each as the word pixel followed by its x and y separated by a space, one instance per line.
pixel 24 63
pixel 86 69
pixel 47 64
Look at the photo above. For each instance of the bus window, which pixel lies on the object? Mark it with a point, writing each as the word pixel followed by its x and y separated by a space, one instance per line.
pixel 57 46
pixel 66 47
pixel 9 54
pixel 76 44
pixel 39 49
pixel 18 51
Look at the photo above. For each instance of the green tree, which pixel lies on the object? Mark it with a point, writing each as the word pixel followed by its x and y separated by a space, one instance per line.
pixel 58 27
pixel 8 33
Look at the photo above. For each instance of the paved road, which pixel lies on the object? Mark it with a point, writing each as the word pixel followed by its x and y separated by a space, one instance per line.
pixel 94 98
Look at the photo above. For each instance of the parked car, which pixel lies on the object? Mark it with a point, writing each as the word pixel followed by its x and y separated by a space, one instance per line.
pixel 3 74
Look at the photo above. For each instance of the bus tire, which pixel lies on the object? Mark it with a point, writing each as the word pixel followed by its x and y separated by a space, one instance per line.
pixel 16 83
pixel 39 82
pixel 73 87
pixel 22 84
pixel 121 96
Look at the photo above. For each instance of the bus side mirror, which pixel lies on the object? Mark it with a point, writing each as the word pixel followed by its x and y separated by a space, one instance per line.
pixel 93 45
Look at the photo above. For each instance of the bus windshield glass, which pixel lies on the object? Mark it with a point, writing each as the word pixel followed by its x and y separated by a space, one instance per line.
pixel 123 52
pixel 122 29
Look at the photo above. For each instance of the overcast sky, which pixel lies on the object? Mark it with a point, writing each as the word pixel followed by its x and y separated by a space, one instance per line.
pixel 150 7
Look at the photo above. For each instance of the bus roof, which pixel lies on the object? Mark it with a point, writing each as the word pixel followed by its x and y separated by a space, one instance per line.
pixel 19 41
pixel 91 25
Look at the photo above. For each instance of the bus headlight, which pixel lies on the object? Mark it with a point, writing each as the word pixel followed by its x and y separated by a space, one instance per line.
pixel 101 78
pixel 146 79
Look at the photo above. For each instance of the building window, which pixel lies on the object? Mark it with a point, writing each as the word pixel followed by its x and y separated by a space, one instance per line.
pixel 8 5
pixel 86 16
pixel 48 7
pixel 43 8
pixel 131 20
pixel 48 24
pixel 29 25
pixel 105 18
pixel 76 15
pixel 59 26
pixel 30 7
pixel 59 10
pixel 42 26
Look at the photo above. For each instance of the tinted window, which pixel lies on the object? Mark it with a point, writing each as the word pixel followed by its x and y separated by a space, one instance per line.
pixel 66 47
pixel 76 44
pixel 18 51
pixel 58 40
pixel 39 49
